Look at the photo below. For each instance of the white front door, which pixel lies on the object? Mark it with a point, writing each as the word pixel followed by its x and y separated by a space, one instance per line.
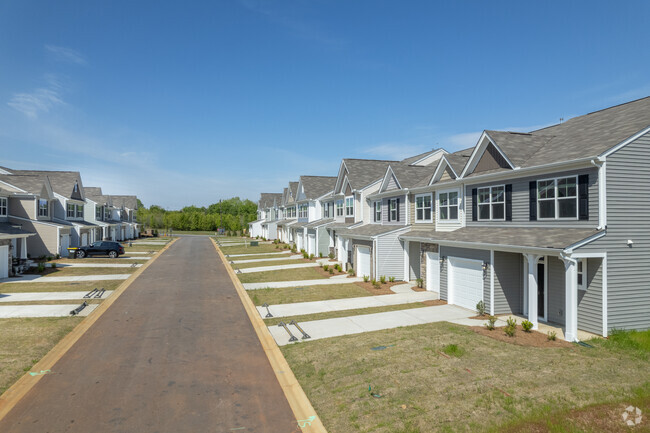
pixel 363 261
pixel 4 261
pixel 465 282
pixel 300 242
pixel 312 244
pixel 433 272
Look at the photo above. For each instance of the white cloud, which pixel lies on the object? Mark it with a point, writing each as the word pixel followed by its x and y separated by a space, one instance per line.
pixel 63 54
pixel 40 100
pixel 395 151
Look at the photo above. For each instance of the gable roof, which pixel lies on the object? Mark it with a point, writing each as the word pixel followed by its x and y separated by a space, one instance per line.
pixel 363 172
pixel 62 182
pixel 124 201
pixel 30 184
pixel 268 199
pixel 409 176
pixel 317 186
pixel 95 194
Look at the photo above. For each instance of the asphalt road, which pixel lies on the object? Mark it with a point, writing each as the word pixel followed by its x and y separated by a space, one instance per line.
pixel 175 353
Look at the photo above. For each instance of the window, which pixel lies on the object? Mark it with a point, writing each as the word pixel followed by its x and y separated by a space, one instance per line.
pixel 98 212
pixel 557 198
pixel 349 206
pixel 80 211
pixel 3 206
pixel 339 207
pixel 423 208
pixel 448 203
pixel 393 209
pixel 491 203
pixel 303 211
pixel 582 274
pixel 70 210
pixel 43 208
pixel 107 214
pixel 327 210
pixel 378 211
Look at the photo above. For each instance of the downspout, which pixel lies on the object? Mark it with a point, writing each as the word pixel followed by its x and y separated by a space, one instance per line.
pixel 602 191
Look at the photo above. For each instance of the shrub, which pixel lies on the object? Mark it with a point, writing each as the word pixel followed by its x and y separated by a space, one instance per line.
pixel 552 335
pixel 527 325
pixel 305 255
pixel 302 250
pixel 49 258
pixel 40 268
pixel 391 279
pixel 58 256
pixel 330 255
pixel 366 278
pixel 383 279
pixel 320 255
pixel 326 267
pixel 338 267
pixel 311 257
pixel 453 350
pixel 351 271
pixel 420 282
pixel 52 265
pixel 490 323
pixel 331 271
pixel 376 284
pixel 480 308
pixel 511 327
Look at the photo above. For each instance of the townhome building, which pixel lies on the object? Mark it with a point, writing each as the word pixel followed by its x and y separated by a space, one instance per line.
pixel 126 207
pixel 13 239
pixel 551 224
pixel 288 212
pixel 270 205
pixel 310 231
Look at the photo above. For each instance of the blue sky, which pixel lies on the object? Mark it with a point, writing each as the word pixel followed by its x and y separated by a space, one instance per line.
pixel 189 102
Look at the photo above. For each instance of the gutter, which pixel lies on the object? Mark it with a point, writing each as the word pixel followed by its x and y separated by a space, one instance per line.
pixel 486 246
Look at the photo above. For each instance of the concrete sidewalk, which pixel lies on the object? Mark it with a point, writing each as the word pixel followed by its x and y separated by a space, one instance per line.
pixel 48 296
pixel 297 256
pixel 326 328
pixel 39 279
pixel 277 268
pixel 314 307
pixel 94 265
pixel 14 311
pixel 300 283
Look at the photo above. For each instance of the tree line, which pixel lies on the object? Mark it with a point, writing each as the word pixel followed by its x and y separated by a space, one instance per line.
pixel 232 215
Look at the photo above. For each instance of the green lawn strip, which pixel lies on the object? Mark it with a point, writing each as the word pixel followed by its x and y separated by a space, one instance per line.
pixel 282 275
pixel 292 295
pixel 342 313
pixel 75 286
pixel 241 249
pixel 23 342
pixel 424 391
pixel 273 263
pixel 263 256
pixel 100 261
pixel 143 248
pixel 197 232
pixel 72 271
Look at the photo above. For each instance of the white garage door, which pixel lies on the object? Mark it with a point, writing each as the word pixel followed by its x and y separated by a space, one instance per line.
pixel 299 242
pixel 433 272
pixel 363 261
pixel 312 244
pixel 465 283
pixel 4 261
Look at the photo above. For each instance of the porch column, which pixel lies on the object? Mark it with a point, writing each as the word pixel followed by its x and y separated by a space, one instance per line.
pixel 407 272
pixel 571 299
pixel 532 288
pixel 23 248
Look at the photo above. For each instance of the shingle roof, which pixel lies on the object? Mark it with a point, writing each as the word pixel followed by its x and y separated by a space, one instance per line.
pixel 363 172
pixel 95 194
pixel 319 222
pixel 317 186
pixel 268 198
pixel 125 201
pixel 457 160
pixel 412 159
pixel 368 230
pixel 62 181
pixel 532 237
pixel 32 184
pixel 8 230
pixel 411 175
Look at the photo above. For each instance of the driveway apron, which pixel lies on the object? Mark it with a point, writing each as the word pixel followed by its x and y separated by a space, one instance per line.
pixel 175 353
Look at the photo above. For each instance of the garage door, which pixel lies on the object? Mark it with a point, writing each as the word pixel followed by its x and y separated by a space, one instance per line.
pixel 363 261
pixel 312 244
pixel 4 261
pixel 65 243
pixel 465 283
pixel 433 272
pixel 299 241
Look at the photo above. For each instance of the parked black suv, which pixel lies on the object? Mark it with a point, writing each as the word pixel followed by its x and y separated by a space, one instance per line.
pixel 102 248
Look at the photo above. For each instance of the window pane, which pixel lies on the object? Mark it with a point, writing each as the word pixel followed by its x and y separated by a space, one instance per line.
pixel 484 212
pixel 453 198
pixel 547 209
pixel 566 187
pixel 498 194
pixel 419 201
pixel 546 189
pixel 419 215
pixel 444 213
pixel 443 199
pixel 427 201
pixel 427 214
pixel 453 212
pixel 568 207
pixel 498 211
pixel 484 195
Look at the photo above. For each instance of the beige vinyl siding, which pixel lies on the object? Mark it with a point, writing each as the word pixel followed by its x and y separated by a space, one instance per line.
pixel 392 184
pixel 628 217
pixel 508 283
pixel 46 240
pixel 22 207
pixel 521 200
pixel 419 225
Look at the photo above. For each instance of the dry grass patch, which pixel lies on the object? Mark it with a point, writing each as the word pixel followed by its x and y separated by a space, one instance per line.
pixel 71 271
pixel 265 264
pixel 241 249
pixel 23 342
pixel 101 261
pixel 290 295
pixel 263 256
pixel 282 275
pixel 73 286
pixel 422 390
pixel 62 302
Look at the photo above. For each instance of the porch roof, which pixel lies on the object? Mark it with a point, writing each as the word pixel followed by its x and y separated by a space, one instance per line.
pixel 505 238
pixel 340 225
pixel 84 223
pixel 285 222
pixel 10 231
pixel 368 231
pixel 319 223
pixel 299 225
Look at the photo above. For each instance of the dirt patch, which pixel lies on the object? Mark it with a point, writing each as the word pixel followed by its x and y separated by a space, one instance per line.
pixel 481 317
pixel 521 338
pixel 418 289
pixel 434 302
pixel 383 289
pixel 327 273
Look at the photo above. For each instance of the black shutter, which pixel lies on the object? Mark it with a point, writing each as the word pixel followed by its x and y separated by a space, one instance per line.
pixel 509 202
pixel 533 200
pixel 397 209
pixel 474 205
pixel 583 197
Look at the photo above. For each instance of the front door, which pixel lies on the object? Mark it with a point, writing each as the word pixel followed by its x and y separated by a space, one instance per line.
pixel 541 288
pixel 433 272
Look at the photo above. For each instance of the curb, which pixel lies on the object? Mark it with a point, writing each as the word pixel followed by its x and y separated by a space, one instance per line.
pixel 22 386
pixel 304 412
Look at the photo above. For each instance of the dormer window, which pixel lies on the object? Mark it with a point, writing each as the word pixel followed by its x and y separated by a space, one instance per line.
pixel 3 206
pixel 70 210
pixel 80 211
pixel 339 207
pixel 43 208
pixel 448 205
pixel 349 206
pixel 75 188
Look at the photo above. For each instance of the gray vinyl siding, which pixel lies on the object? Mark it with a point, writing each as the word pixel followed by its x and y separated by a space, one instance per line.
pixel 521 200
pixel 628 217
pixel 590 301
pixel 322 241
pixel 414 260
pixel 401 210
pixel 465 253
pixel 391 184
pixel 390 256
pixel 508 283
pixel 556 293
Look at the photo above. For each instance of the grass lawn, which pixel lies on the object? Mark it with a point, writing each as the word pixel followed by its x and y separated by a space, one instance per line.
pixel 291 295
pixel 282 275
pixel 67 272
pixel 23 342
pixel 241 249
pixel 143 248
pixel 273 263
pixel 77 286
pixel 198 232
pixel 262 256
pixel 99 260
pixel 343 313
pixel 479 385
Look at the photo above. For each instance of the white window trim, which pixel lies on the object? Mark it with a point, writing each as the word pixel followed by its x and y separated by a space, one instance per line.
pixel 438 214
pixel 350 215
pixel 377 211
pixel 4 206
pixel 478 212
pixel 47 208
pixel 390 209
pixel 339 206
pixel 557 204
pixel 423 221
pixel 582 286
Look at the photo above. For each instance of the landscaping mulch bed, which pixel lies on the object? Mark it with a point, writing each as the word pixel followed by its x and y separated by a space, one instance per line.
pixel 434 302
pixel 521 338
pixel 327 273
pixel 481 317
pixel 384 289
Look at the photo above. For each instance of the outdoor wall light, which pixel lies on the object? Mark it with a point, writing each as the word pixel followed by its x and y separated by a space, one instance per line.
pixel 485 266
pixel 442 259
pixel 630 243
